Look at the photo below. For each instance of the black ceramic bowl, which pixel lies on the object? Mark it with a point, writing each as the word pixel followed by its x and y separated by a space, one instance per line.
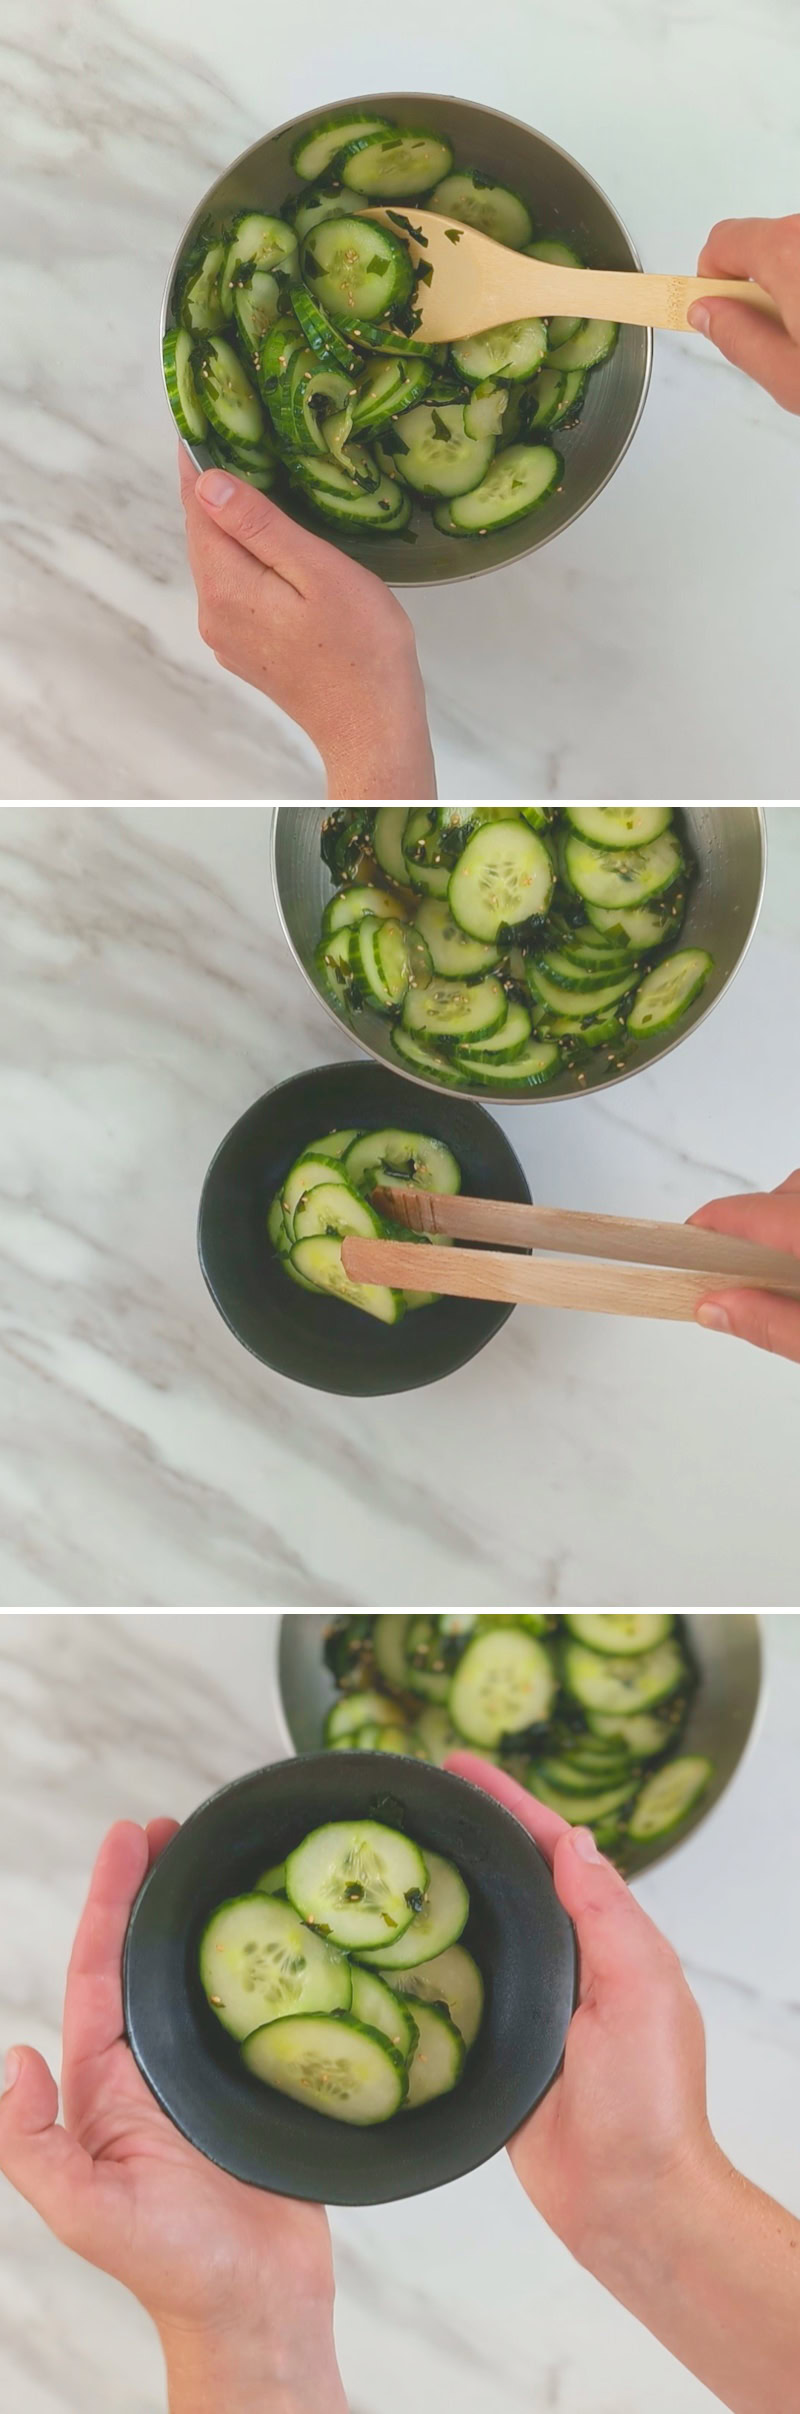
pixel 517 1931
pixel 321 1341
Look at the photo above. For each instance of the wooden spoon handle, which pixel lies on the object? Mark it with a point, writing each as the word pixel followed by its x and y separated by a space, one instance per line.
pixel 639 300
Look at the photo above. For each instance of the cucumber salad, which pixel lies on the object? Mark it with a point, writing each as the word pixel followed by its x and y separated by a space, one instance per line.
pixel 293 351
pixel 325 1196
pixel 341 1977
pixel 504 944
pixel 585 1710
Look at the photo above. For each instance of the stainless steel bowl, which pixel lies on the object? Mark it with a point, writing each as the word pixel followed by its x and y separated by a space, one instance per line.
pixel 726 1651
pixel 565 201
pixel 729 842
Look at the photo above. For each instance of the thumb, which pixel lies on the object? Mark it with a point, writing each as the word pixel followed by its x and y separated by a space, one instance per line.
pixel 46 2166
pixel 754 343
pixel 613 1932
pixel 766 1319
pixel 255 522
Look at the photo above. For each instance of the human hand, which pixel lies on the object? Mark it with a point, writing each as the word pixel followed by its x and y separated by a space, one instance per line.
pixel 625 2123
pixel 767 249
pixel 227 2273
pixel 772 1218
pixel 320 635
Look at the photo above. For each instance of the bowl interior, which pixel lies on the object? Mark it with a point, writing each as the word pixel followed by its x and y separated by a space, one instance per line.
pixel 565 202
pixel 320 1341
pixel 728 843
pixel 517 1931
pixel 726 1651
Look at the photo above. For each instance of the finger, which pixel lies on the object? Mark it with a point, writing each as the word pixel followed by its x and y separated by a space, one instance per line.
pixel 542 1824
pixel 260 527
pixel 768 1217
pixel 46 2166
pixel 615 1937
pixel 744 247
pixel 753 343
pixel 792 1183
pixel 93 2015
pixel 187 474
pixel 762 1317
pixel 159 1834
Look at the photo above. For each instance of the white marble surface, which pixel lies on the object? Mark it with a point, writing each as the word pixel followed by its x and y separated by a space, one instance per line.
pixel 149 1462
pixel 462 2297
pixel 649 651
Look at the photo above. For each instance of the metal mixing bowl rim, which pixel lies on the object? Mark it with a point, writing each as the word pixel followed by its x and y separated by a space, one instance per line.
pixel 544 1096
pixel 668 1849
pixel 471 569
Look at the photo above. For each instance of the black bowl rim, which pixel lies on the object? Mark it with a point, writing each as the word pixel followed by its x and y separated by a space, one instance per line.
pixel 380 1762
pixel 424 1382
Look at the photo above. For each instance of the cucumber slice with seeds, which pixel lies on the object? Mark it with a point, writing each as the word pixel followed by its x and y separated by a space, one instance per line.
pixel 201 309
pixel 258 242
pixel 451 951
pixel 668 1797
pixel 256 306
pixel 594 341
pixel 228 396
pixel 513 351
pixel 438 2058
pixel 452 1979
pixel 665 993
pixel 302 1177
pixel 439 457
pixel 503 878
pixel 644 926
pixel 335 2066
pixel 622 875
pixel 519 477
pixel 504 1045
pixel 355 269
pixel 320 1262
pixel 456 1009
pixel 377 2005
pixel 349 904
pixel 425 871
pixel 332 1207
pixel 357 1882
pixel 620 1685
pixel 408 1160
pixel 492 208
pixel 427 1060
pixel 273 1880
pixel 314 152
pixel 321 336
pixel 535 1064
pixel 580 1810
pixel 619 825
pixel 505 1683
pixel 258 1963
pixel 578 1002
pixel 397 165
pixel 185 404
pixel 334 1144
pixel 644 1735
pixel 619 1633
pixel 444 1914
pixel 387 840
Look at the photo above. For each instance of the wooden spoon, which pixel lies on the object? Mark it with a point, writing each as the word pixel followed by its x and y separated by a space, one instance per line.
pixel 476 283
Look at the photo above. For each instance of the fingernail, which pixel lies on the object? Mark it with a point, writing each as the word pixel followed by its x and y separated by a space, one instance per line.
pixel 700 318
pixel 214 488
pixel 716 1319
pixel 12 2070
pixel 584 1844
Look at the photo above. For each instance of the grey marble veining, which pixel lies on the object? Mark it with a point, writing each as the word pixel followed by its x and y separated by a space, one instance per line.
pixel 461 2297
pixel 649 651
pixel 146 997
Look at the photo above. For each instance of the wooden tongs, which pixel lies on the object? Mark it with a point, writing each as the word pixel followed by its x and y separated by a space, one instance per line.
pixel 621 1267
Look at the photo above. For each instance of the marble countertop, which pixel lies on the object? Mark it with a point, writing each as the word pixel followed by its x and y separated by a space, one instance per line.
pixel 120 1716
pixel 630 658
pixel 148 1461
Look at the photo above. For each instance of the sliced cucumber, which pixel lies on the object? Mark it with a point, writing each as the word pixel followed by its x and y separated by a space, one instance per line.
pixel 581 1810
pixel 643 926
pixel 258 1962
pixel 668 1797
pixel 622 1685
pixel 385 508
pixel 444 1913
pixel 665 993
pixel 504 1045
pixel 405 1160
pixel 485 410
pixel 622 875
pixel 439 457
pixel 452 1979
pixel 548 393
pixel 503 878
pixel 397 165
pixel 387 840
pixel 333 1208
pixel 323 201
pixel 302 1178
pixel 201 309
pixel 273 1880
pixel 513 351
pixel 427 1060
pixel 349 904
pixel 355 269
pixel 378 2006
pixel 560 255
pixel 578 1002
pixel 357 1882
pixel 258 243
pixel 644 1735
pixel 185 404
pixel 390 387
pixel 505 1683
pixel 519 477
pixel 320 1263
pixel 229 399
pixel 389 1645
pixel 321 336
pixel 438 2059
pixel 334 2066
pixel 334 1144
pixel 256 306
pixel 619 825
pixel 357 1710
pixel 619 1633
pixel 534 1065
pixel 451 951
pixel 456 1009
pixel 426 867
pixel 493 208
pixel 436 1733
pixel 314 152
pixel 592 344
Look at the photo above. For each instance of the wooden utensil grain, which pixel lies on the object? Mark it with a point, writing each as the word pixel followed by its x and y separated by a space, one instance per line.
pixel 476 283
